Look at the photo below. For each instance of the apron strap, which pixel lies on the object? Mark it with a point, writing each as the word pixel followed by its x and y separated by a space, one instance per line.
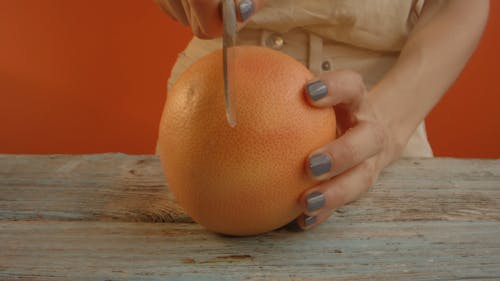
pixel 315 54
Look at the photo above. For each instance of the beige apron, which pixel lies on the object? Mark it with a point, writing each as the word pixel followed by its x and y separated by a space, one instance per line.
pixel 362 35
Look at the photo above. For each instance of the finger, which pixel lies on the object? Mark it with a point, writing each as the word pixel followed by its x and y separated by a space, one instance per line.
pixel 336 87
pixel 307 222
pixel 359 143
pixel 341 190
pixel 206 16
pixel 244 9
pixel 247 8
pixel 174 9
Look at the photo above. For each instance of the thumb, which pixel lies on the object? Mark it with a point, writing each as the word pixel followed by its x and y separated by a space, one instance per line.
pixel 206 19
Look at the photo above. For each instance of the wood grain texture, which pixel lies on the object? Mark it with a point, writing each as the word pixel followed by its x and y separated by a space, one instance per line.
pixel 86 187
pixel 99 217
pixel 337 250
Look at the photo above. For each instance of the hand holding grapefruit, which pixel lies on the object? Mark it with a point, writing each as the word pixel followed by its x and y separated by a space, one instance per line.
pixel 248 179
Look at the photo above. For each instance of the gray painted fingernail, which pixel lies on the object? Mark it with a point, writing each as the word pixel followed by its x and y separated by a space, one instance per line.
pixel 316 90
pixel 309 220
pixel 246 9
pixel 320 164
pixel 315 201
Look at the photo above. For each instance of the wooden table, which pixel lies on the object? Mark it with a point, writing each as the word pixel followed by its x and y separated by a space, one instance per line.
pixel 111 217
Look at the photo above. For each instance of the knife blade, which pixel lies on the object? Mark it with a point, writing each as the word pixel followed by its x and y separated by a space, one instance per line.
pixel 228 56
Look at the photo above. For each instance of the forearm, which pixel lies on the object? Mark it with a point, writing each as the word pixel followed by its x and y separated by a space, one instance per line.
pixel 438 48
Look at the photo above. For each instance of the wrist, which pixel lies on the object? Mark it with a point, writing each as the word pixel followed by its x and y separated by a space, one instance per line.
pixel 397 134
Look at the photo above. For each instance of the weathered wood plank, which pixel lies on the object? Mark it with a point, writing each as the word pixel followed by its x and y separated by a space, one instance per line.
pixel 55 250
pixel 86 218
pixel 86 187
pixel 132 188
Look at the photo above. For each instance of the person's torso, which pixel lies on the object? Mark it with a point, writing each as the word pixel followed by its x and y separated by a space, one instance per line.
pixel 381 25
pixel 362 35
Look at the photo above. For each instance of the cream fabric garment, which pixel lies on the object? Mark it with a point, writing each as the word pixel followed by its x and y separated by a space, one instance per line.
pixel 362 35
pixel 372 24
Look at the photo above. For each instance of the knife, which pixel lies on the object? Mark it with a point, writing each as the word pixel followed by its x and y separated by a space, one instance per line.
pixel 228 41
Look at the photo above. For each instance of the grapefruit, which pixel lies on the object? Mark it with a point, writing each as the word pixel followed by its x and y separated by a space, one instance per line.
pixel 248 179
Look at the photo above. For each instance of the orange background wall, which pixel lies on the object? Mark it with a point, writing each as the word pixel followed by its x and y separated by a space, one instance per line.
pixel 90 77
